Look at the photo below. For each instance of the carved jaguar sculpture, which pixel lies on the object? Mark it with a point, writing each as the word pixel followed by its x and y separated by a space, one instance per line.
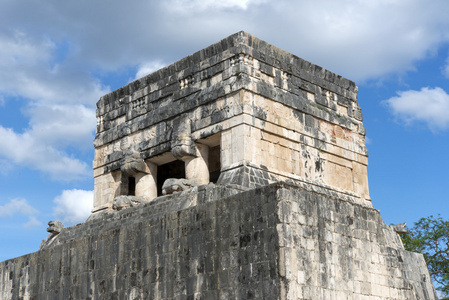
pixel 55 227
pixel 122 202
pixel 176 185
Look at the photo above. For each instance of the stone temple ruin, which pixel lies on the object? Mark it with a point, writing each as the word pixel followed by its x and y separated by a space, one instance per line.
pixel 238 172
pixel 231 115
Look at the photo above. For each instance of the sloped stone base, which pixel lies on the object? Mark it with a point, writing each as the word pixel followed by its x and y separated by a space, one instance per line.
pixel 275 242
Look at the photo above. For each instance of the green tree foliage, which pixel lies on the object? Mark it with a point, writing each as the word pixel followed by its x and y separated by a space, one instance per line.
pixel 430 236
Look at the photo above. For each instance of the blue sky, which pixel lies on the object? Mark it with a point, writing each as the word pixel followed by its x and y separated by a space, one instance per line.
pixel 57 58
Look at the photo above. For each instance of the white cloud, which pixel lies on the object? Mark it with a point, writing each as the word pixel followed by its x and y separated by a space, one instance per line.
pixel 20 48
pixel 20 207
pixel 30 68
pixel 359 39
pixel 445 70
pixel 193 6
pixel 5 167
pixel 60 107
pixel 32 222
pixel 429 105
pixel 60 125
pixel 148 68
pixel 24 149
pixel 364 39
pixel 17 206
pixel 73 206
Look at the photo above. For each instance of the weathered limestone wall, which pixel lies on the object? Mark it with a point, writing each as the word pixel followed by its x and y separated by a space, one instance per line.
pixel 275 242
pixel 334 249
pixel 271 113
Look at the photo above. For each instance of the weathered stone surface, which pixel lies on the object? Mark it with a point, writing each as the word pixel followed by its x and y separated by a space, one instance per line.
pixel 275 242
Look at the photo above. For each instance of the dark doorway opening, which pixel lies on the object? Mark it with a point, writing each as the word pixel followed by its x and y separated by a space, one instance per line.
pixel 131 186
pixel 174 169
pixel 214 164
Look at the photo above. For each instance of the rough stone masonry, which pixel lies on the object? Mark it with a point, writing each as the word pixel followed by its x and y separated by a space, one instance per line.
pixel 238 172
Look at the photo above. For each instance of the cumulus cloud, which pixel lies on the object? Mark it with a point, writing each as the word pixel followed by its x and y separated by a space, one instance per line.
pixel 30 68
pixel 62 124
pixel 189 6
pixel 24 149
pixel 5 167
pixel 59 104
pixel 148 68
pixel 364 39
pixel 358 39
pixel 20 207
pixel 429 105
pixel 32 222
pixel 73 206
pixel 445 69
pixel 17 206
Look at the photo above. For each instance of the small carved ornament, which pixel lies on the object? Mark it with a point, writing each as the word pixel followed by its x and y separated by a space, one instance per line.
pixel 400 228
pixel 55 227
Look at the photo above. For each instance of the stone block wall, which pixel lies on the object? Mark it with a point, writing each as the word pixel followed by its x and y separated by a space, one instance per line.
pixel 334 249
pixel 266 109
pixel 213 242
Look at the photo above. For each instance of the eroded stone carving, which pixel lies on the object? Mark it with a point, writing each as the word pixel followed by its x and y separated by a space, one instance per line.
pixel 175 185
pixel 400 228
pixel 133 164
pixel 185 82
pixel 123 202
pixel 55 227
pixel 182 143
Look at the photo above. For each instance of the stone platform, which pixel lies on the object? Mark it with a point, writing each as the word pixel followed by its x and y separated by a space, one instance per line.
pixel 279 241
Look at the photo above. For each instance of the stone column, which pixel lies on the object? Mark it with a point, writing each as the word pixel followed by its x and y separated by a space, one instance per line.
pixel 146 183
pixel 197 167
pixel 144 173
pixel 194 155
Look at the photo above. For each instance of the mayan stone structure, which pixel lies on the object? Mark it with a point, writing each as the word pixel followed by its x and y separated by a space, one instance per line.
pixel 238 172
pixel 239 112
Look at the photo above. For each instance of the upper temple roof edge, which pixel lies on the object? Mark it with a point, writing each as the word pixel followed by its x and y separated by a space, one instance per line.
pixel 238 43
